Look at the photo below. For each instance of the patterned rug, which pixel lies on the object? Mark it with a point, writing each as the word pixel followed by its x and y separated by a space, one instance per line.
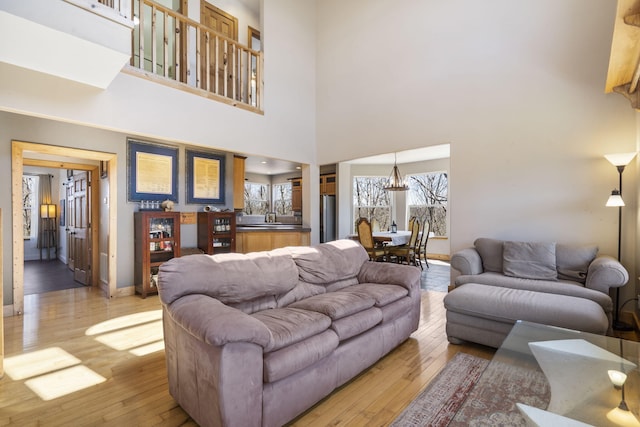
pixel 438 403
pixel 457 396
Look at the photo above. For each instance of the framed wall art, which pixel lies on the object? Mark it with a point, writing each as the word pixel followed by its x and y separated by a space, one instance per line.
pixel 205 177
pixel 152 172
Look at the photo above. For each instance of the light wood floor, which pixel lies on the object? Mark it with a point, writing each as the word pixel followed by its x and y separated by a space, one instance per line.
pixel 82 324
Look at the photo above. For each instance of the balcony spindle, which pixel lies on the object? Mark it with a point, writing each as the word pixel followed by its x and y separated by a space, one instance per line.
pixel 165 45
pixel 198 57
pixel 154 29
pixel 141 34
pixel 216 65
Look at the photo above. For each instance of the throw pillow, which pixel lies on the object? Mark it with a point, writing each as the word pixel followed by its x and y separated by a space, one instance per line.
pixel 573 261
pixel 490 251
pixel 530 260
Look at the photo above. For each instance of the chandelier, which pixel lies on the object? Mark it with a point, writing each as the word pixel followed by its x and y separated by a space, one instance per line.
pixel 395 181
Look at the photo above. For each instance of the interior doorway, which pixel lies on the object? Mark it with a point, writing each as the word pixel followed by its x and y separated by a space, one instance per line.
pixel 218 73
pixel 33 154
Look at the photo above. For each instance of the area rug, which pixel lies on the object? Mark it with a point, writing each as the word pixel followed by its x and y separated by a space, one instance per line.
pixel 440 400
pixel 459 396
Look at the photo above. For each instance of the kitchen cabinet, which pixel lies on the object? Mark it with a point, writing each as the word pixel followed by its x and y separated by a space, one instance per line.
pixel 296 194
pixel 266 240
pixel 217 232
pixel 238 183
pixel 156 240
pixel 328 184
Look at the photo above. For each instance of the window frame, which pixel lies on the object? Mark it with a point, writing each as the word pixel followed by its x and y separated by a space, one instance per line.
pixel 441 203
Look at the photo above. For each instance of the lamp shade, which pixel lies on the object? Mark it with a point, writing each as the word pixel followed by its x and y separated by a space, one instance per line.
pixel 47 211
pixel 615 199
pixel 620 159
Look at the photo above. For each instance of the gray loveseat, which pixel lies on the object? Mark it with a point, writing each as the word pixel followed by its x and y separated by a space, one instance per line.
pixel 548 283
pixel 256 339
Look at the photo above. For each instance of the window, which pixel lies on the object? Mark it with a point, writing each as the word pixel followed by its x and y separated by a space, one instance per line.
pixel 282 203
pixel 371 201
pixel 29 189
pixel 427 199
pixel 256 198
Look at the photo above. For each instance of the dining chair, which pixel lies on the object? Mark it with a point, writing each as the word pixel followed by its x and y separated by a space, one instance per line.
pixel 407 252
pixel 365 235
pixel 421 245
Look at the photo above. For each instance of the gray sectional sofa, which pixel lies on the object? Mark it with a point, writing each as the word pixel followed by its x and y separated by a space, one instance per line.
pixel 548 283
pixel 256 339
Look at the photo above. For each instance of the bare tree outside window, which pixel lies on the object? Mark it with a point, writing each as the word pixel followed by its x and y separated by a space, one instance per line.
pixel 371 200
pixel 427 199
pixel 256 198
pixel 282 203
pixel 28 194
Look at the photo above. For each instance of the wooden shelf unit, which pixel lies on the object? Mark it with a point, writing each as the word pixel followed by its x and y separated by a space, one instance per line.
pixel 156 240
pixel 217 232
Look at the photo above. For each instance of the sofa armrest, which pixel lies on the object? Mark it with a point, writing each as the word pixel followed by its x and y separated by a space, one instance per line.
pixel 467 261
pixel 217 324
pixel 391 274
pixel 606 272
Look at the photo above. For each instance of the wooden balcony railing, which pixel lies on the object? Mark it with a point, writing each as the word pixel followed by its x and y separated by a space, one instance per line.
pixel 169 47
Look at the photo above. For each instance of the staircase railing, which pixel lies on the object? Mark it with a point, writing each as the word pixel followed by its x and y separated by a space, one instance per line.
pixel 172 47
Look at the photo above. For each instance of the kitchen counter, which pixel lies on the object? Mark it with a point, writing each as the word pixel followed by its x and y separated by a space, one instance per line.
pixel 271 227
pixel 265 237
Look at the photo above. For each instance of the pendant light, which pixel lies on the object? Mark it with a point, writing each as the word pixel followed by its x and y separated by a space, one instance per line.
pixel 395 181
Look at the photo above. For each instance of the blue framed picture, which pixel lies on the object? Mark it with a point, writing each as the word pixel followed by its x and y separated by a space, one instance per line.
pixel 205 177
pixel 152 171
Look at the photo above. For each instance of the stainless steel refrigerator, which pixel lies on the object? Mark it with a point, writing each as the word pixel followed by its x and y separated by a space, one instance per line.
pixel 327 218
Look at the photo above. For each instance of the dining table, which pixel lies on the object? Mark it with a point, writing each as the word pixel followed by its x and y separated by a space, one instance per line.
pixel 398 238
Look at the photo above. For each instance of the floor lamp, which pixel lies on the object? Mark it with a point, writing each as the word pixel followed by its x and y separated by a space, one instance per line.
pixel 615 200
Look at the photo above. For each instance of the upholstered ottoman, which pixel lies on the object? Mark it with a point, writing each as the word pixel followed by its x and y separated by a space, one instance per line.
pixel 484 314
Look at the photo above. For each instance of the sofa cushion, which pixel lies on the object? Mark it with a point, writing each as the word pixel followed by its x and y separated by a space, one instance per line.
pixel 572 262
pixel 382 294
pixel 530 260
pixel 290 325
pixel 357 323
pixel 330 262
pixel 490 251
pixel 257 304
pixel 336 305
pixel 296 357
pixel 301 291
pixel 230 278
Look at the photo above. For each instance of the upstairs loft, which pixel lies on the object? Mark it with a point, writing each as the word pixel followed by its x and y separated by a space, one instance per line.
pixel 90 42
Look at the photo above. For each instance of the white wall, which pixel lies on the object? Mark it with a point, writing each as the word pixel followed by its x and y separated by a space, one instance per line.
pixel 517 88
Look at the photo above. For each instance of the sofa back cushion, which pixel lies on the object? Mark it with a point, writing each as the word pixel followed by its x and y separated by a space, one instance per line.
pixel 530 260
pixel 490 251
pixel 334 263
pixel 230 278
pixel 573 261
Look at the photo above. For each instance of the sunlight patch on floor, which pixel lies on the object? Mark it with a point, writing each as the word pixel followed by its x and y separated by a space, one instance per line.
pixel 66 381
pixel 38 362
pixel 131 337
pixel 124 322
